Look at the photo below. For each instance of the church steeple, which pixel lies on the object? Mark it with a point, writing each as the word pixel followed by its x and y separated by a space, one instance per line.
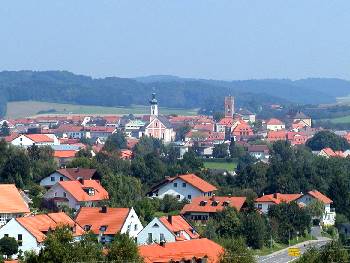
pixel 154 105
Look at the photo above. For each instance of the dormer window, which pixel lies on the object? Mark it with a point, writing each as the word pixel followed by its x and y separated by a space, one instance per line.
pixel 226 203
pixel 87 227
pixel 215 203
pixel 103 228
pixel 90 191
pixel 203 203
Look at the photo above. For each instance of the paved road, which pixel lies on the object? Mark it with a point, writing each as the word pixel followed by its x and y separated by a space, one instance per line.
pixel 282 256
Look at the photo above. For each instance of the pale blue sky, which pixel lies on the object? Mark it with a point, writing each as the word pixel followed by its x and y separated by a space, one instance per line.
pixel 222 39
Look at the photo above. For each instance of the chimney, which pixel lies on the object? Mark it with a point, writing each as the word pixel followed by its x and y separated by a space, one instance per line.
pixel 104 209
pixel 170 219
pixel 275 195
pixel 81 180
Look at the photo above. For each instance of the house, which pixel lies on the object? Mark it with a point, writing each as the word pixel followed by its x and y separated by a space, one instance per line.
pixel 260 152
pixel 195 250
pixel 264 202
pixel 76 194
pixel 62 157
pixel 12 204
pixel 247 115
pixel 297 138
pixel 100 131
pixel 275 125
pixel 133 126
pixel 224 123
pixel 126 154
pixel 301 117
pixel 27 140
pixel 273 136
pixel 242 131
pixel 328 153
pixel 166 229
pixel 31 231
pixel 202 208
pixel 69 174
pixel 71 131
pixel 186 186
pixel 328 217
pixel 106 222
pixel 158 126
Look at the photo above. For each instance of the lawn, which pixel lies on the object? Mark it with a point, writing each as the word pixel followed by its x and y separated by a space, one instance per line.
pixel 222 165
pixel 344 119
pixel 19 109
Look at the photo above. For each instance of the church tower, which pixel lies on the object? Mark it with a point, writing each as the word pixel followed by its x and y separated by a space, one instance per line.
pixel 229 106
pixel 154 106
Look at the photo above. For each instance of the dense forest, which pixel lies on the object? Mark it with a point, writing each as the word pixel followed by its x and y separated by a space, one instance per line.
pixel 207 95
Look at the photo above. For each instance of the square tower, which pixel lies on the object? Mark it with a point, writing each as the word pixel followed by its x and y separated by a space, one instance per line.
pixel 229 106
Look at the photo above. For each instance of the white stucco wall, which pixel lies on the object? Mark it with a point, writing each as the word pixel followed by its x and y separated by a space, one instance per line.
pixel 57 191
pixel 47 180
pixel 22 141
pixel 132 224
pixel 156 228
pixel 264 206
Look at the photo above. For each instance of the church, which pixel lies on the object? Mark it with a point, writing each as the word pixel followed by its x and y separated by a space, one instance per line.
pixel 156 125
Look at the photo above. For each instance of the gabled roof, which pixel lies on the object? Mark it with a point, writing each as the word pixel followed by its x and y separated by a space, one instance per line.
pixel 64 154
pixel 319 196
pixel 274 121
pixel 206 204
pixel 39 225
pixel 197 182
pixel 11 200
pixel 183 250
pixel 113 219
pixel 76 173
pixel 277 198
pixel 39 138
pixel 178 223
pixel 227 121
pixel 76 189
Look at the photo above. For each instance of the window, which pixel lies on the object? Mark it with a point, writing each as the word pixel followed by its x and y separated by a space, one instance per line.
pixel 136 227
pixel 52 178
pixel 61 178
pixel 150 238
pixel 183 184
pixel 178 196
pixel 161 237
pixel 175 184
pixel 259 206
pixel 189 197
pixel 64 194
pixel 19 239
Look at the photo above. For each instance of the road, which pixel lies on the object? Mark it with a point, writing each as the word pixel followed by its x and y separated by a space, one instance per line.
pixel 282 255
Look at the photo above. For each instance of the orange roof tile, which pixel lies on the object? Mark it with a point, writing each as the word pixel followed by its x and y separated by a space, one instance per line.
pixel 39 138
pixel 113 219
pixel 11 200
pixel 64 154
pixel 76 189
pixel 321 197
pixel 274 121
pixel 197 182
pixel 39 225
pixel 204 204
pixel 182 250
pixel 178 223
pixel 278 198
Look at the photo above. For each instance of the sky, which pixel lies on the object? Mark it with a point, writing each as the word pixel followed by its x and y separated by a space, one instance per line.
pixel 218 39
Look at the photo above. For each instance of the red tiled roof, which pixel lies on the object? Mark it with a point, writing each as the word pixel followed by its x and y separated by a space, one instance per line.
pixel 39 225
pixel 277 198
pixel 277 135
pixel 197 182
pixel 182 250
pixel 76 189
pixel 321 197
pixel 113 219
pixel 39 138
pixel 195 205
pixel 204 127
pixel 274 121
pixel 107 129
pixel 76 173
pixel 64 154
pixel 11 200
pixel 178 223
pixel 69 128
pixel 126 154
pixel 11 137
pixel 227 121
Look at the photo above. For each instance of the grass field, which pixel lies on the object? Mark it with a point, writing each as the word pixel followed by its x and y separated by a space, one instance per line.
pixel 220 165
pixel 20 109
pixel 344 119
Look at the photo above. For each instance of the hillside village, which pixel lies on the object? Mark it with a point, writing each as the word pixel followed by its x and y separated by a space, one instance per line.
pixel 143 176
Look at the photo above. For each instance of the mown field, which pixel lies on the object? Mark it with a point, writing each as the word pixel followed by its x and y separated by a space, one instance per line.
pixel 229 166
pixel 19 109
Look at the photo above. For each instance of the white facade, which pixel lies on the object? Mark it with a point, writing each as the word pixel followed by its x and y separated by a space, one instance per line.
pixel 52 179
pixel 24 141
pixel 264 206
pixel 17 231
pixel 154 232
pixel 275 127
pixel 132 224
pixel 179 189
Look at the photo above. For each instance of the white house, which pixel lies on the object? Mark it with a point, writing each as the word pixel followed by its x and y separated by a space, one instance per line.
pixel 106 222
pixel 69 174
pixel 275 125
pixel 167 229
pixel 76 194
pixel 260 152
pixel 31 231
pixel 27 140
pixel 12 204
pixel 186 186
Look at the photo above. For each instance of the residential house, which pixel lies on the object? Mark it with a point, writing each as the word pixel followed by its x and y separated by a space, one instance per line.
pixel 202 208
pixel 69 174
pixel 100 131
pixel 275 125
pixel 195 250
pixel 247 115
pixel 71 131
pixel 12 204
pixel 224 123
pixel 260 152
pixel 132 127
pixel 76 194
pixel 273 136
pixel 31 231
pixel 62 157
pixel 328 153
pixel 186 186
pixel 264 202
pixel 27 140
pixel 242 131
pixel 301 117
pixel 167 229
pixel 106 222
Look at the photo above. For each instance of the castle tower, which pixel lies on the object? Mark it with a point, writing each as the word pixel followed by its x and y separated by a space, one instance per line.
pixel 229 106
pixel 154 105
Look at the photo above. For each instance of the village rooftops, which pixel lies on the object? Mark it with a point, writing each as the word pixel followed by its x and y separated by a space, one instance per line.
pixel 177 224
pixel 11 200
pixel 277 198
pixel 274 121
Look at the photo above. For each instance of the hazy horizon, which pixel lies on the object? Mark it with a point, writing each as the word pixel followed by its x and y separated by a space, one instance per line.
pixel 226 40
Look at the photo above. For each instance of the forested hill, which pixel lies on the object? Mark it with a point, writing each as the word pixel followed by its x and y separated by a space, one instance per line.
pixel 175 92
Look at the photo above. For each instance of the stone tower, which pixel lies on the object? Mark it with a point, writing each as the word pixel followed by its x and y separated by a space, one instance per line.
pixel 229 106
pixel 154 105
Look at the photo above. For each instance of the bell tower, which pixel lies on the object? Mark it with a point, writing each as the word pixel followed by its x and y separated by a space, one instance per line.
pixel 229 106
pixel 154 105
